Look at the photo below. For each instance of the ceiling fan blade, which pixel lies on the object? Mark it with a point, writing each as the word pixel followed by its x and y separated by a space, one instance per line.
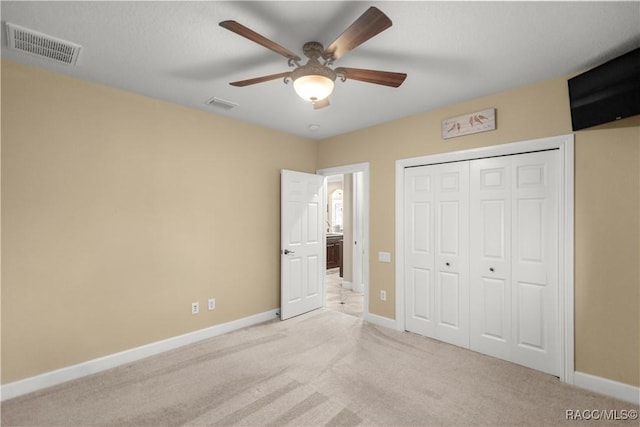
pixel 253 81
pixel 369 24
pixel 257 38
pixel 321 103
pixel 386 78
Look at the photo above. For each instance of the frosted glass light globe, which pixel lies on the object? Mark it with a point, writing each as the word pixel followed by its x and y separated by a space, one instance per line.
pixel 313 87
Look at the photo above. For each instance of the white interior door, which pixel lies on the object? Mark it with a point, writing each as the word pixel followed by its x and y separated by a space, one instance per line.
pixel 521 227
pixel 436 252
pixel 514 261
pixel 302 243
pixel 490 262
pixel 419 251
pixel 481 256
pixel 535 326
pixel 451 265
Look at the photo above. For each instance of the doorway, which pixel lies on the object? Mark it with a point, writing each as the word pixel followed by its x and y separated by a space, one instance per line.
pixel 343 286
pixel 346 237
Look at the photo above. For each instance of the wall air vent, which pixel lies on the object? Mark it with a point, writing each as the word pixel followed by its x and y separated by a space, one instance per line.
pixel 221 103
pixel 42 45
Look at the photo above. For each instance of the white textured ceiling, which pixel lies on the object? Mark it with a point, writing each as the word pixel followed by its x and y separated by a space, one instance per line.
pixel 451 51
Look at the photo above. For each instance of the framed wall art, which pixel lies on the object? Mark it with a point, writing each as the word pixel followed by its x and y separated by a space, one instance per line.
pixel 470 123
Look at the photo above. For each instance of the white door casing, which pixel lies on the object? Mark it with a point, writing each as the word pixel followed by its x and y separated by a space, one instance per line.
pixel 358 234
pixel 302 243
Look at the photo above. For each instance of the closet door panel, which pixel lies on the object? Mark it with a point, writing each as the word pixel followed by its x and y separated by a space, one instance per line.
pixel 421 303
pixel 535 266
pixel 490 261
pixel 529 310
pixel 449 292
pixel 452 252
pixel 494 319
pixel 419 251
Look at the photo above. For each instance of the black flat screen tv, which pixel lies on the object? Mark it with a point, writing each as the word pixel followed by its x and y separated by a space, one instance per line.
pixel 608 92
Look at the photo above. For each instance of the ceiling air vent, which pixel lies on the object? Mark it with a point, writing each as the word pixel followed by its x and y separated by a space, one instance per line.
pixel 42 45
pixel 221 103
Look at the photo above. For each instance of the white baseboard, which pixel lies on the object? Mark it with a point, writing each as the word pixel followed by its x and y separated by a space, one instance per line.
pixel 380 320
pixel 48 379
pixel 347 285
pixel 611 388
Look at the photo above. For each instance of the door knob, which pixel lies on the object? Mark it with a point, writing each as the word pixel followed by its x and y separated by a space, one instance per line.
pixel 448 264
pixel 491 269
pixel 287 252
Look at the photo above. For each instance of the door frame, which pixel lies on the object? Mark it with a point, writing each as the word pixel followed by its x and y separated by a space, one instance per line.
pixel 353 168
pixel 563 143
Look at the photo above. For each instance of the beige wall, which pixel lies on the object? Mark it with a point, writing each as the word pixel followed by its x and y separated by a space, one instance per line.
pixel 607 206
pixel 118 211
pixel 607 251
pixel 114 220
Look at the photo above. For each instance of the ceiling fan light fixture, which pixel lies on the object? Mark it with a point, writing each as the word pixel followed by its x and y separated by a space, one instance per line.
pixel 313 87
pixel 313 81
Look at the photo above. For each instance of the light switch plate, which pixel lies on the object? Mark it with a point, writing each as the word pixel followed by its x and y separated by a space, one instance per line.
pixel 384 257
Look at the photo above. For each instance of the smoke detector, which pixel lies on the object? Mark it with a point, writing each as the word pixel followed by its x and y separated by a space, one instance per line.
pixel 42 45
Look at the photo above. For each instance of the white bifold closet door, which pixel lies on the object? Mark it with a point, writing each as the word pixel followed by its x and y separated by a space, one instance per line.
pixel 481 256
pixel 490 266
pixel 514 266
pixel 437 253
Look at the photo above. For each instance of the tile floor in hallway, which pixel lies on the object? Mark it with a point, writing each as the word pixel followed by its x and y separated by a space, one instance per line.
pixel 342 299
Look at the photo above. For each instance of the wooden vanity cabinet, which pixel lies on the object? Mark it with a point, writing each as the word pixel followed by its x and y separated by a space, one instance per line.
pixel 334 252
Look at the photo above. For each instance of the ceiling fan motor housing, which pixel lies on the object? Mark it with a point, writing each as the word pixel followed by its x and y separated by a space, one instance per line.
pixel 312 49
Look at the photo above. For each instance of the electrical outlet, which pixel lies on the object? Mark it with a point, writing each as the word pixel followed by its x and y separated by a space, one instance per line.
pixel 195 308
pixel 212 304
pixel 383 295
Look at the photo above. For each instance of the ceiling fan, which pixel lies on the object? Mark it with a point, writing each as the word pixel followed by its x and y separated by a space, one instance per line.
pixel 314 80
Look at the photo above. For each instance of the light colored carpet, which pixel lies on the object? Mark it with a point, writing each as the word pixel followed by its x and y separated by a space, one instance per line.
pixel 339 298
pixel 321 368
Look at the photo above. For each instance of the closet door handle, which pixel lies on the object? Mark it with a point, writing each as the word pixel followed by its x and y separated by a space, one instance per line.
pixel 491 269
pixel 448 264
